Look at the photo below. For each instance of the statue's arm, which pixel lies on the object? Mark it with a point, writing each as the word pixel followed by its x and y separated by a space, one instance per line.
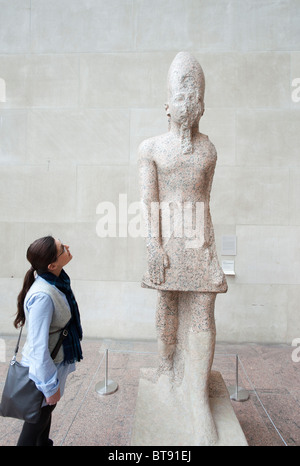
pixel 157 260
pixel 213 154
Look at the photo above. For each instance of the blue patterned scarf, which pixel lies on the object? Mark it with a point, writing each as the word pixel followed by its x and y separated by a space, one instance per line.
pixel 71 344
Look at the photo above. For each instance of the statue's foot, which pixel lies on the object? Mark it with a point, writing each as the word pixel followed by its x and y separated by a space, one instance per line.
pixel 165 365
pixel 205 428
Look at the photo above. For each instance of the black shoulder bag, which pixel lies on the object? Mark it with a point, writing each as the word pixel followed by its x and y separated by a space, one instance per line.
pixel 20 397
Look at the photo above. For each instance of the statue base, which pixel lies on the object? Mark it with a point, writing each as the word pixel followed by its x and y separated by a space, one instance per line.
pixel 161 419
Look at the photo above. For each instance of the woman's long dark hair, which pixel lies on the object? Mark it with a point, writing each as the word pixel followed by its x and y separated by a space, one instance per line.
pixel 40 254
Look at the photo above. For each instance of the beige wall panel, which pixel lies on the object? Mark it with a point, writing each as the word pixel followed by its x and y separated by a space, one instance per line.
pixel 221 230
pixel 268 255
pixel 295 80
pixel 146 123
pixel 124 79
pixel 37 193
pixel 252 313
pixel 223 196
pixel 94 258
pixel 9 290
pixel 15 70
pixel 92 25
pixel 264 79
pixel 223 86
pixel 136 256
pixel 178 24
pixel 253 196
pixel 102 259
pixel 219 125
pixel 294 196
pixel 133 185
pixel 15 26
pixel 262 196
pixel 246 80
pixel 100 184
pixel 293 312
pixel 268 138
pixel 293 33
pixel 12 249
pixel 116 309
pixel 40 80
pixel 70 137
pixel 13 137
pixel 262 24
pixel 54 80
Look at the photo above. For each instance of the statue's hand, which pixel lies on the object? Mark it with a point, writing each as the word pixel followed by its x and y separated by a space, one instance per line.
pixel 157 262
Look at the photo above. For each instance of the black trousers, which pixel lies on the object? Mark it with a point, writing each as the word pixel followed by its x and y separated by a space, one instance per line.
pixel 37 434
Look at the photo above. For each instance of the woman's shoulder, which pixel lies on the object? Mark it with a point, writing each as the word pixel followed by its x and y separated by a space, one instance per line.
pixel 40 285
pixel 39 300
pixel 39 288
pixel 39 291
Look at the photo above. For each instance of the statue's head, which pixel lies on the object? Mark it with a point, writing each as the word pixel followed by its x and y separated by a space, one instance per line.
pixel 186 86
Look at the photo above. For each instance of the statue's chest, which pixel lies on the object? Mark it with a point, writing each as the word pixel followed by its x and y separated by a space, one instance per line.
pixel 188 172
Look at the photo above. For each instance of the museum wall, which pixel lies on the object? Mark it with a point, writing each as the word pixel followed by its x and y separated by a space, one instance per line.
pixel 85 84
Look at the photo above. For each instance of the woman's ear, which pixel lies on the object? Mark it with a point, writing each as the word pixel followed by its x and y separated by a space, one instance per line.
pixel 51 267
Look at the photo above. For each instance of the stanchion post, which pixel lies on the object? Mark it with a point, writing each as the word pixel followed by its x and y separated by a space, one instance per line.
pixel 237 393
pixel 106 387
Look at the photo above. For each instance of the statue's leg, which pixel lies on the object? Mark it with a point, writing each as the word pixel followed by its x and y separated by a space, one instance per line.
pixel 166 326
pixel 201 346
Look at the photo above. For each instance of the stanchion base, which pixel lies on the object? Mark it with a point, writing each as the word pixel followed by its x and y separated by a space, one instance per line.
pixel 108 389
pixel 239 394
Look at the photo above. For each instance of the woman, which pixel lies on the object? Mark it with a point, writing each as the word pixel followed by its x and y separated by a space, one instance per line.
pixel 47 304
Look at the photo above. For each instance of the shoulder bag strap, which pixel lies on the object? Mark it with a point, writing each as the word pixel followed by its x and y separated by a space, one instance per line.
pixel 63 335
pixel 14 358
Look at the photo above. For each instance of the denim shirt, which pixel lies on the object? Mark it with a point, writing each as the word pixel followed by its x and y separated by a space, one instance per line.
pixel 47 375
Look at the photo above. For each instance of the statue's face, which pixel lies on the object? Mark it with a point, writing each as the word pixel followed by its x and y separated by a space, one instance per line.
pixel 185 105
pixel 186 86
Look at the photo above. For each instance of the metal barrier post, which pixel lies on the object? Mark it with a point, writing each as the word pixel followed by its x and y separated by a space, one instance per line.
pixel 237 393
pixel 106 387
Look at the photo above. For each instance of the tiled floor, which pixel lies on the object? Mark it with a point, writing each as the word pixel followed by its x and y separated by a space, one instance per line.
pixel 271 416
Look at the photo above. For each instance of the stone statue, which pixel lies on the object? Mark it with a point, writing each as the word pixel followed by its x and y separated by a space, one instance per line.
pixel 176 171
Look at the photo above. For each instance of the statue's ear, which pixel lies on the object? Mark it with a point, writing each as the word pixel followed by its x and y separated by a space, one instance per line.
pixel 203 108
